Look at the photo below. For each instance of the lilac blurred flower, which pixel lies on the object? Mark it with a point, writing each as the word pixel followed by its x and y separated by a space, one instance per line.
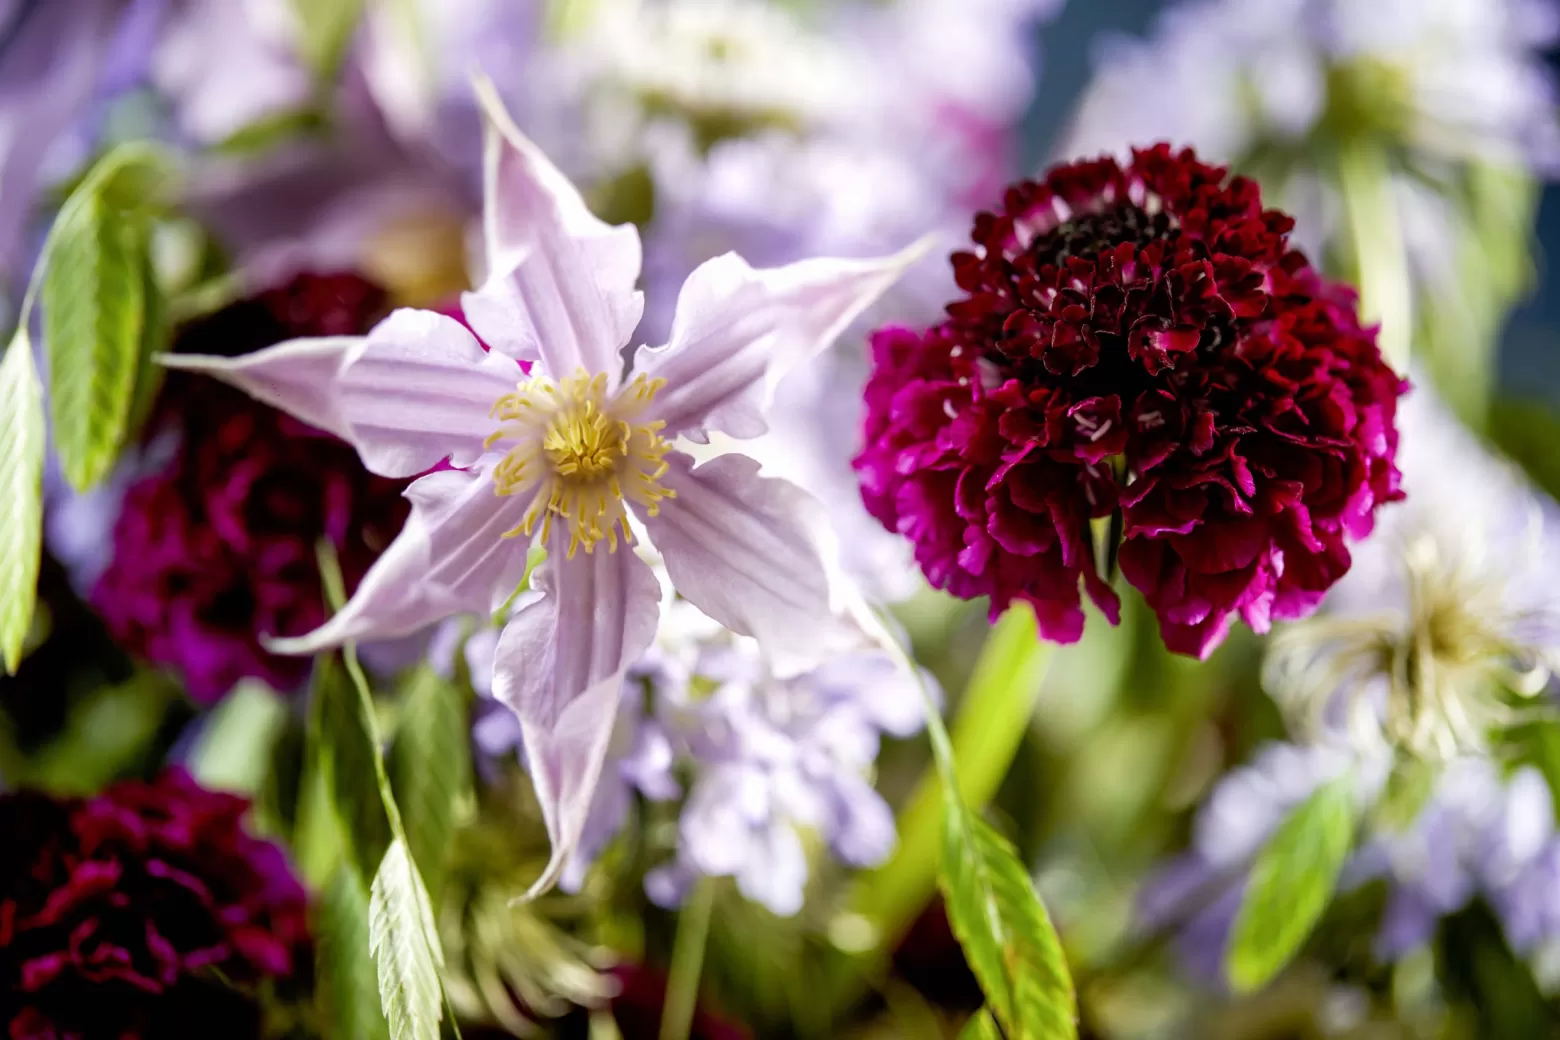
pixel 564 455
pixel 1453 79
pixel 1450 614
pixel 1479 833
pixel 229 64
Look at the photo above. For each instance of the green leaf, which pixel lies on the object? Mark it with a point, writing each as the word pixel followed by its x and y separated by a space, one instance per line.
pixel 327 27
pixel 405 946
pixel 1291 883
pixel 430 768
pixel 348 987
pixel 235 747
pixel 93 313
pixel 156 331
pixel 1005 931
pixel 981 1026
pixel 349 757
pixel 21 491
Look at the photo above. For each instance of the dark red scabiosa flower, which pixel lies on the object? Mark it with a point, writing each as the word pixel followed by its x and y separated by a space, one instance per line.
pixel 1135 341
pixel 146 911
pixel 218 547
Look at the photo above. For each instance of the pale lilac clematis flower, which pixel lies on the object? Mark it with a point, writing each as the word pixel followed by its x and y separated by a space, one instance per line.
pixel 564 451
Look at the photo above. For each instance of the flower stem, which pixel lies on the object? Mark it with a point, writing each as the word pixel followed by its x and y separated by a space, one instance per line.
pixel 682 986
pixel 1376 237
pixel 992 720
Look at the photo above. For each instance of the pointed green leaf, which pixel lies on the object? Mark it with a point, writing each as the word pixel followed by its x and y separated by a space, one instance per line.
pixel 349 763
pixel 1291 883
pixel 1005 931
pixel 430 768
pixel 981 1026
pixel 348 984
pixel 405 947
pixel 21 491
pixel 327 28
pixel 155 335
pixel 93 313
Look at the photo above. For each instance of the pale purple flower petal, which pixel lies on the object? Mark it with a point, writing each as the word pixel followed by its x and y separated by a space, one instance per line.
pixel 738 330
pixel 450 558
pixel 415 391
pixel 559 667
pixel 744 549
pixel 560 282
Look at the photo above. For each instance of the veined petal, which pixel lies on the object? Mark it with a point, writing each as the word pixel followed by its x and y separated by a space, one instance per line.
pixel 738 330
pixel 420 390
pixel 450 558
pixel 298 377
pixel 560 283
pixel 416 390
pixel 559 668
pixel 744 549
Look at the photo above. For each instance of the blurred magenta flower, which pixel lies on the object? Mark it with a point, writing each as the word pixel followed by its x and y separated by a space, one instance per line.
pixel 1136 338
pixel 145 911
pixel 215 545
pixel 562 452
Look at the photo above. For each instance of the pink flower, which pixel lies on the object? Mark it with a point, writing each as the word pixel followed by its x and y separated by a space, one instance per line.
pixel 1139 341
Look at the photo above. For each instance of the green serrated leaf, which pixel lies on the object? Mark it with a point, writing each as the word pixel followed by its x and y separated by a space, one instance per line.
pixel 21 488
pixel 1291 883
pixel 405 946
pixel 981 1026
pixel 1005 931
pixel 156 331
pixel 430 768
pixel 349 765
pixel 348 983
pixel 93 313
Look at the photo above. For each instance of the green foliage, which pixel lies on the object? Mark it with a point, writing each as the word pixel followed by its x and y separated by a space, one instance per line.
pixel 995 912
pixel 405 945
pixel 21 487
pixel 1005 931
pixel 981 1026
pixel 430 768
pixel 96 279
pixel 347 983
pixel 1292 881
pixel 348 757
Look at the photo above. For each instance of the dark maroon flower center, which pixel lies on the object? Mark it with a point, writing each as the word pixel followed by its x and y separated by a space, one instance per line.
pixel 1091 233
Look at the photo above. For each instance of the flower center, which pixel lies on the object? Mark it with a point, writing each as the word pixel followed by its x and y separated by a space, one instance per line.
pixel 584 453
pixel 1090 233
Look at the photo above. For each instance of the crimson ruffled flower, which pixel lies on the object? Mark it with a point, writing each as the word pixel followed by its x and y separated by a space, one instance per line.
pixel 146 911
pixel 1136 341
pixel 219 546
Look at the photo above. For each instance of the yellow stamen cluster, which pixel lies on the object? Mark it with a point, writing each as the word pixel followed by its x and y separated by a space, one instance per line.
pixel 583 453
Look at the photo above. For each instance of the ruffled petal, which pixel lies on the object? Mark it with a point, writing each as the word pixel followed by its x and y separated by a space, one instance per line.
pixel 416 390
pixel 560 282
pixel 450 558
pixel 745 550
pixel 559 668
pixel 738 330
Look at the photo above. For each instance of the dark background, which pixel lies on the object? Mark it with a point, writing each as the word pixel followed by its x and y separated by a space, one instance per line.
pixel 1530 350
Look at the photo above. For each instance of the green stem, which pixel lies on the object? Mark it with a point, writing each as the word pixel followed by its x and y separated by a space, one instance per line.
pixel 992 720
pixel 1376 237
pixel 682 986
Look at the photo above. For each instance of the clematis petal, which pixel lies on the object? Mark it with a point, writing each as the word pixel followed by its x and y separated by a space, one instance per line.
pixel 560 283
pixel 744 549
pixel 298 377
pixel 450 558
pixel 738 330
pixel 559 668
pixel 415 391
